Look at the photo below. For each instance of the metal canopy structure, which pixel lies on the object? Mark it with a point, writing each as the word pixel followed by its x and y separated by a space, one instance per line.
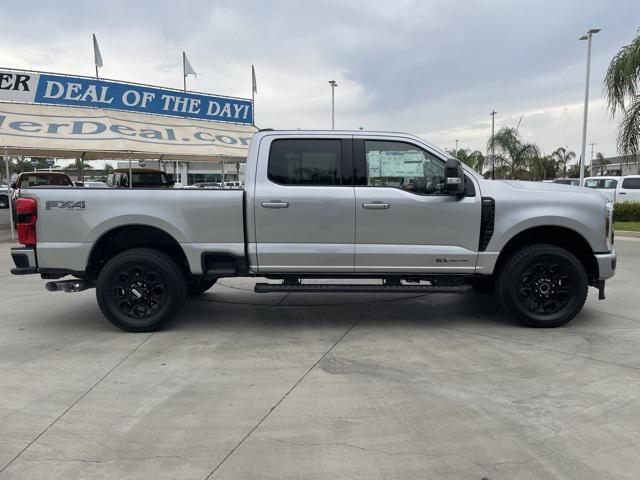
pixel 94 133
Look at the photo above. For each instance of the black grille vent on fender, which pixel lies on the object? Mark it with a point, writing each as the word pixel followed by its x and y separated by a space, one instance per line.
pixel 487 222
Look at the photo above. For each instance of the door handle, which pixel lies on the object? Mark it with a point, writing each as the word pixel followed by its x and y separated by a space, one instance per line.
pixel 622 193
pixel 275 204
pixel 376 206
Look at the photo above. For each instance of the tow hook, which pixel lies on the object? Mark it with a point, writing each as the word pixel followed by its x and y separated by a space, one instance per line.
pixel 69 286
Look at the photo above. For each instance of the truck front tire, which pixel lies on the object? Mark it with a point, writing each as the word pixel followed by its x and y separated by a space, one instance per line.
pixel 141 289
pixel 543 286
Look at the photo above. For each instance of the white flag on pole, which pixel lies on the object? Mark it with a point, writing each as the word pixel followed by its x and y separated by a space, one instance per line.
pixel 188 69
pixel 97 57
pixel 254 84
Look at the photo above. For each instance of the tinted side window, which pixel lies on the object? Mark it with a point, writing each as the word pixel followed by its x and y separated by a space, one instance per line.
pixel 631 183
pixel 305 162
pixel 404 166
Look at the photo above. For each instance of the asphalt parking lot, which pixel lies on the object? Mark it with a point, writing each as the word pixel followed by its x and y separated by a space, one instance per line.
pixel 248 385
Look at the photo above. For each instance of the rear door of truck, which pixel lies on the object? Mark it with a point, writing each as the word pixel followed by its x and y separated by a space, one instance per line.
pixel 304 204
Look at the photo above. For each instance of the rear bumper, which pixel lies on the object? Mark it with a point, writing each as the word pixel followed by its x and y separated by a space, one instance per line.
pixel 606 264
pixel 25 261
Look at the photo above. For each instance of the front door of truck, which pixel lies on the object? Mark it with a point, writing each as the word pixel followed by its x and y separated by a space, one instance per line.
pixel 405 222
pixel 304 205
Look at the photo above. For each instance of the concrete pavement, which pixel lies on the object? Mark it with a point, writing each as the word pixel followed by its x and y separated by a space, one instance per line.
pixel 5 226
pixel 245 386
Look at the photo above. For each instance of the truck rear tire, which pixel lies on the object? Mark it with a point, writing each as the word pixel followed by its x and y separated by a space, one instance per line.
pixel 4 201
pixel 141 289
pixel 543 286
pixel 199 286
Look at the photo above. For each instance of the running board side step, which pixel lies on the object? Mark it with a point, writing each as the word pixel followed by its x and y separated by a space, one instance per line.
pixel 355 288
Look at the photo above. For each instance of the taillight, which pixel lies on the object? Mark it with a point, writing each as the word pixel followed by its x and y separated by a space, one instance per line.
pixel 26 214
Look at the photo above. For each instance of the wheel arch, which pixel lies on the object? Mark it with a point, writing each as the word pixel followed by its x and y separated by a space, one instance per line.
pixel 125 237
pixel 553 235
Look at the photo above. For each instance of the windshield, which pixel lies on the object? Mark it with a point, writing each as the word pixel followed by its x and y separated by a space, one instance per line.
pixel 44 179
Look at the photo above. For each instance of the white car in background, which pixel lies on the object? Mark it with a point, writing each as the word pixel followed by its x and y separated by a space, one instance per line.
pixel 95 185
pixel 606 185
pixel 628 189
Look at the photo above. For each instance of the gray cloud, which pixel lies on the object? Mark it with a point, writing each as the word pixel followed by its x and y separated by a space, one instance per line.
pixel 435 68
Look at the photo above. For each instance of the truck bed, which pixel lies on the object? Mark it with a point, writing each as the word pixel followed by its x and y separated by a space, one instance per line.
pixel 72 220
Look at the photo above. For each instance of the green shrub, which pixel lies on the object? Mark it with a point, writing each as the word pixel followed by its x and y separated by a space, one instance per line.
pixel 627 212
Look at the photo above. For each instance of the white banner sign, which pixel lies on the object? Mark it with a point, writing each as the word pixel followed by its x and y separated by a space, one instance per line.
pixel 99 133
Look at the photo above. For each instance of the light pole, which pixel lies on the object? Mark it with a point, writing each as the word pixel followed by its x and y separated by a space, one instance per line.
pixel 586 37
pixel 493 147
pixel 456 154
pixel 333 84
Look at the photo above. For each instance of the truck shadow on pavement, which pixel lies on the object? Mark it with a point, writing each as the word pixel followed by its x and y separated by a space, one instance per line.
pixel 338 310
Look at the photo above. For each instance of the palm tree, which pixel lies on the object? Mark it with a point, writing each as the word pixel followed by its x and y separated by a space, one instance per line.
pixel 78 164
pixel 517 156
pixel 600 162
pixel 621 87
pixel 549 168
pixel 563 157
pixel 473 159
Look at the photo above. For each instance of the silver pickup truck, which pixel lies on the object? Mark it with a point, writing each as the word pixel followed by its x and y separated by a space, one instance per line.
pixel 325 205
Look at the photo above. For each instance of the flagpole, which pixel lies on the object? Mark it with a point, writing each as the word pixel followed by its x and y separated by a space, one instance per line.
pixel 184 70
pixel 95 53
pixel 253 95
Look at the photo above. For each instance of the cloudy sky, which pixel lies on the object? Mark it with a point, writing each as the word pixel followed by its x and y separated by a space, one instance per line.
pixel 435 68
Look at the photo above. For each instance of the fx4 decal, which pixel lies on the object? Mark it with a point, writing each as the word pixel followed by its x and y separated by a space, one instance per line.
pixel 65 204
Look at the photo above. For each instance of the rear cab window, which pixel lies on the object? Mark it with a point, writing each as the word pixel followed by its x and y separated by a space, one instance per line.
pixel 307 161
pixel 601 183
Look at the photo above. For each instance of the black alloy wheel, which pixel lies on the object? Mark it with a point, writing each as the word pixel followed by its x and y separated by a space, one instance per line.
pixel 139 290
pixel 543 285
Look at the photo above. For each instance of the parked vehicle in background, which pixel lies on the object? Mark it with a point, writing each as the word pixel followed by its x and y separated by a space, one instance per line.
pixel 94 184
pixel 4 196
pixel 42 179
pixel 142 178
pixel 38 179
pixel 567 181
pixel 326 205
pixel 628 189
pixel 232 184
pixel 606 185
